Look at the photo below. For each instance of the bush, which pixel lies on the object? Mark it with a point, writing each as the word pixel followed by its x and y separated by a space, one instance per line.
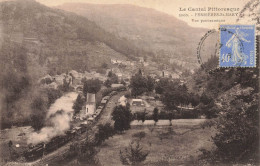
pixel 101 71
pixel 104 132
pixel 109 90
pixel 133 155
pixel 189 114
pixel 77 106
pixel 238 133
pixel 53 95
pixel 155 115
pixel 122 117
pixel 91 86
pixel 139 135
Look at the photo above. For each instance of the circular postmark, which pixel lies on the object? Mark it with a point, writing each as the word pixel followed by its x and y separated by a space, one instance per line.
pixel 218 45
pixel 249 12
pixel 200 46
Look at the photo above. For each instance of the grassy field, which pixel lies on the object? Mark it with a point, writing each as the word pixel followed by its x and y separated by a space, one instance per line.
pixel 167 145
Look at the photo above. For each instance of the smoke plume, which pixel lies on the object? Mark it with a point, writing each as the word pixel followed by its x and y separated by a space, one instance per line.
pixel 57 120
pixel 58 123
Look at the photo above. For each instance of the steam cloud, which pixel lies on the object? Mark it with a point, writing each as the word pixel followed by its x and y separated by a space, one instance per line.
pixel 59 123
pixel 57 120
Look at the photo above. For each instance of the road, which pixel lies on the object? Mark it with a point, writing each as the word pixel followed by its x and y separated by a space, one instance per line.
pixel 57 155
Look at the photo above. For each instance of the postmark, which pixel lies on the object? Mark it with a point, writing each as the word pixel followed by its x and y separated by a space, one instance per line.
pixel 238 46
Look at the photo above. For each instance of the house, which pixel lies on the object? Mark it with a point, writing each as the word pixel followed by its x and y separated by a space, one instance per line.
pixel 122 100
pixel 119 75
pixel 90 104
pixel 137 102
pixel 53 85
pixel 116 85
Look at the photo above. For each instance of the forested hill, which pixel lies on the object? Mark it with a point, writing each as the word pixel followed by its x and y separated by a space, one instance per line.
pixel 36 40
pixel 231 97
pixel 58 39
pixel 149 29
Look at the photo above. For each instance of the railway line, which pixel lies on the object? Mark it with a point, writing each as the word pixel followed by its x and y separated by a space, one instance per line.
pixel 104 117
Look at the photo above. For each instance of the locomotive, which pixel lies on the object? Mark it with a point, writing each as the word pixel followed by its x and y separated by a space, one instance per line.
pixel 34 152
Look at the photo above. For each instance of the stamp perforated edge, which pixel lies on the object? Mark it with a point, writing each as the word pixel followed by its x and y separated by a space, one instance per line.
pixel 254 48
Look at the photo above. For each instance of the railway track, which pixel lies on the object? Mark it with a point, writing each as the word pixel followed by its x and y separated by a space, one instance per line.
pixel 57 155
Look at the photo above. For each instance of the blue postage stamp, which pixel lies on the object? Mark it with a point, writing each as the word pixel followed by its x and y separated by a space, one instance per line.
pixel 237 46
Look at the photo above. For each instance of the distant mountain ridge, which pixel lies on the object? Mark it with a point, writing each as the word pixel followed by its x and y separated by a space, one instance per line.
pixel 57 40
pixel 36 40
pixel 147 28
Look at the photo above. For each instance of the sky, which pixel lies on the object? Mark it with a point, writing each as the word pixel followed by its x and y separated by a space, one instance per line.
pixel 171 7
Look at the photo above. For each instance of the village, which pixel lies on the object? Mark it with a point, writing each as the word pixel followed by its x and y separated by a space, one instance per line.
pixel 95 104
pixel 123 70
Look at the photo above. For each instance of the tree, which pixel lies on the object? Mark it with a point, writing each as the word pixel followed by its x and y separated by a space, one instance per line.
pixel 91 86
pixel 161 85
pixel 122 82
pixel 39 112
pixel 242 120
pixel 104 132
pixel 65 87
pixel 150 84
pixel 88 155
pixel 108 83
pixel 155 115
pixel 77 106
pixel 84 153
pixel 175 95
pixel 139 135
pixel 143 115
pixel 110 74
pixel 138 84
pixel 122 117
pixel 194 99
pixel 104 65
pixel 170 116
pixel 171 97
pixel 133 155
pixel 112 79
pixel 53 94
pixel 140 72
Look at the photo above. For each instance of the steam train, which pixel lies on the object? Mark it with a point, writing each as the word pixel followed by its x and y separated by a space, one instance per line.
pixel 36 151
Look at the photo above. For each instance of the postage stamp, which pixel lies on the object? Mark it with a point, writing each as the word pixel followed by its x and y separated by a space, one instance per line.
pixel 237 46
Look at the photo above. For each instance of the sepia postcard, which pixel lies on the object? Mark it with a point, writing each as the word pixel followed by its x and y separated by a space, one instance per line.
pixel 129 82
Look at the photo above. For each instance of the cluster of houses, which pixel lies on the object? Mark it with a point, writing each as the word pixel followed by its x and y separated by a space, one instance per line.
pixel 73 77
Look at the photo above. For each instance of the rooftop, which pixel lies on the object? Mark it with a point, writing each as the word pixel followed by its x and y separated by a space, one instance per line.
pixel 91 98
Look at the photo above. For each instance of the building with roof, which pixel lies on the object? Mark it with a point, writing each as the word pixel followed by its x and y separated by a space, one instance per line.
pixel 122 100
pixel 90 104
pixel 137 102
pixel 116 85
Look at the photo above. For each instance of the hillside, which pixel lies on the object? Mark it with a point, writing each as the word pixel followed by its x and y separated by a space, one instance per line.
pixel 58 40
pixel 36 40
pixel 148 29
